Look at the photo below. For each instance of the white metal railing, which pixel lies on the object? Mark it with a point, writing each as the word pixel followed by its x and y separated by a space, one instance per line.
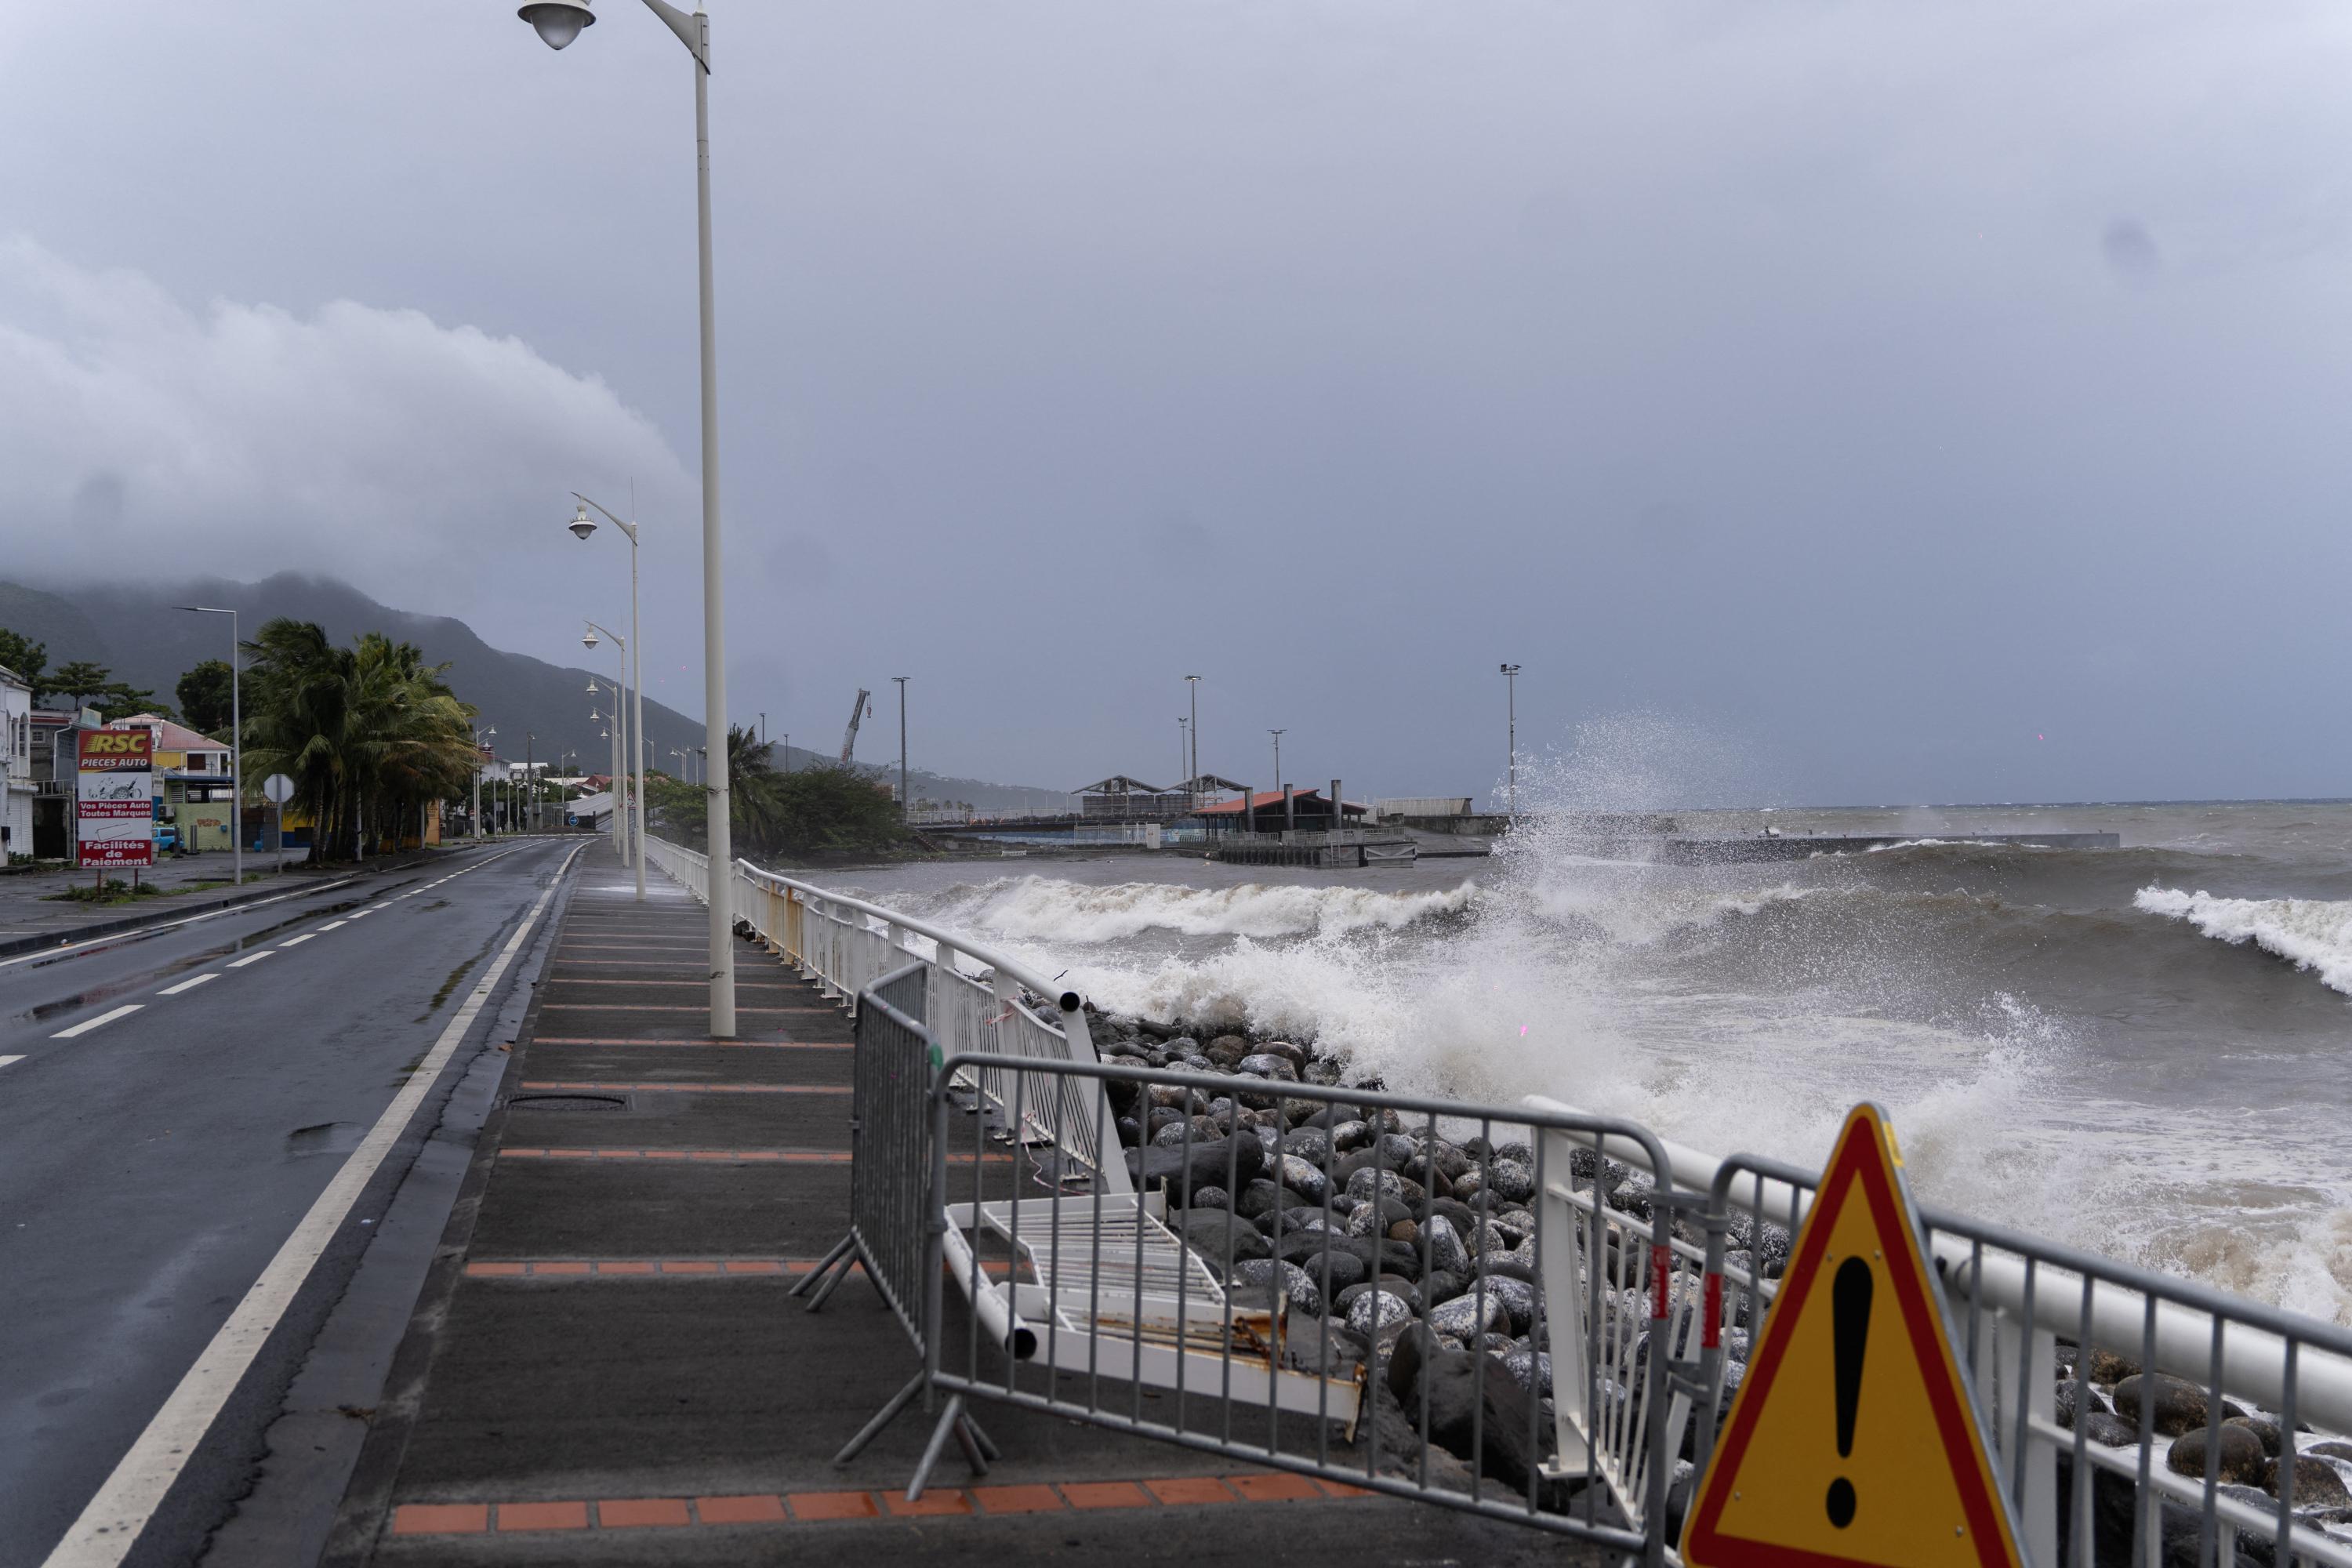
pixel 2012 1298
pixel 999 1007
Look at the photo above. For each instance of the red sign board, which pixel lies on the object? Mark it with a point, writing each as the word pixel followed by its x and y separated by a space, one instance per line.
pixel 114 808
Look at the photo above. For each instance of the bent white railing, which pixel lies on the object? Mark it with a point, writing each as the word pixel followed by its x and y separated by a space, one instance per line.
pixel 1000 1007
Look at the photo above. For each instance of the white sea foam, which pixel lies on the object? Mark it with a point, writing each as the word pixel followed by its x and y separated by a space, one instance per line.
pixel 1041 909
pixel 2311 933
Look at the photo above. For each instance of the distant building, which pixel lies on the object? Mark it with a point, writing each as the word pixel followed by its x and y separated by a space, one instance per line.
pixel 1307 810
pixel 1120 798
pixel 16 786
pixel 194 788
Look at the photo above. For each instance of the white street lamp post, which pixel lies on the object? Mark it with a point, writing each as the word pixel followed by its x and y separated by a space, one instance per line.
pixel 904 803
pixel 1194 771
pixel 633 754
pixel 633 843
pixel 480 736
pixel 613 784
pixel 236 745
pixel 1277 735
pixel 558 22
pixel 1511 695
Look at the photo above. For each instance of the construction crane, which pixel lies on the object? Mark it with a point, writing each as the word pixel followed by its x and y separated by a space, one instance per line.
pixel 857 710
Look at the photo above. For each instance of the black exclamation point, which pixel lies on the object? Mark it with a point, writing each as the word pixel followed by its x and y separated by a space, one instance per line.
pixel 1850 1325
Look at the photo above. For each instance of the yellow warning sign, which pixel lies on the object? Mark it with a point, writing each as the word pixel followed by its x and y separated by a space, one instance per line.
pixel 1852 1442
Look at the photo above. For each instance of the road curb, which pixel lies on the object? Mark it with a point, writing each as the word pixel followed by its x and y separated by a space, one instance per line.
pixel 10 946
pixel 365 1512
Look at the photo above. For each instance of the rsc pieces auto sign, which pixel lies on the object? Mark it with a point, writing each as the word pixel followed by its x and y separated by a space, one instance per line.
pixel 114 808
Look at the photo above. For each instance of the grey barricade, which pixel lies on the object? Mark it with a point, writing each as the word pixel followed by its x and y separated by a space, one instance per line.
pixel 893 1217
pixel 1350 1284
pixel 2083 1366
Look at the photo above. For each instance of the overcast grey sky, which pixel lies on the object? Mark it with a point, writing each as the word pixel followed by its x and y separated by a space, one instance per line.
pixel 1916 403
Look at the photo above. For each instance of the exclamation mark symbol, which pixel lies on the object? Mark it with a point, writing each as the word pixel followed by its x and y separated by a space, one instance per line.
pixel 1849 1324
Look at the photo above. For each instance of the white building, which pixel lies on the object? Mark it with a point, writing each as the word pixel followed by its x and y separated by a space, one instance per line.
pixel 16 787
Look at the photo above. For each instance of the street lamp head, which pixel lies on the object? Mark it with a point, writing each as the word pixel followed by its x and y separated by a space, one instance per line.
pixel 558 22
pixel 582 525
pixel 588 638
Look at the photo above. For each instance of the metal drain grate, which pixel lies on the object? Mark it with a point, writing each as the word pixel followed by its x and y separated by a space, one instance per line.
pixel 570 1102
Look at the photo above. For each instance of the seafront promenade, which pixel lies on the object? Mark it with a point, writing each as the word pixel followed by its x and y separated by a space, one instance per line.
pixel 605 1365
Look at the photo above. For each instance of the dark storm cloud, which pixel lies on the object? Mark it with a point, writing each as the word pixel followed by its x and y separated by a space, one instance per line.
pixel 1764 368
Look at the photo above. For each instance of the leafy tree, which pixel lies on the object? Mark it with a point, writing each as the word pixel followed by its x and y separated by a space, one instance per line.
pixel 27 658
pixel 204 693
pixel 810 811
pixel 93 685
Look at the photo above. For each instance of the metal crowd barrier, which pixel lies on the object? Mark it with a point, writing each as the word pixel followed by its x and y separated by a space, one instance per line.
pixel 2017 1302
pixel 1006 1009
pixel 1139 1313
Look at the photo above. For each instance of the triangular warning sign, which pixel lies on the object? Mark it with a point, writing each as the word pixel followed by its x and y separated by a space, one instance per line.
pixel 1852 1442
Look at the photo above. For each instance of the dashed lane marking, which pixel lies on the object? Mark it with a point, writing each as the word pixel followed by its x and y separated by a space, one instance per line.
pixel 190 984
pixel 5 1061
pixel 298 941
pixel 331 925
pixel 86 1025
pixel 252 958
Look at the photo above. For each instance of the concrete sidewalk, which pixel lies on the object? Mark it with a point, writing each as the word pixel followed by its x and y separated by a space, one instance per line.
pixel 605 1367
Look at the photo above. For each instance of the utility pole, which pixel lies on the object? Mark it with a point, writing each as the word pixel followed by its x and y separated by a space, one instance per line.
pixel 1184 756
pixel 1511 695
pixel 530 776
pixel 904 801
pixel 788 751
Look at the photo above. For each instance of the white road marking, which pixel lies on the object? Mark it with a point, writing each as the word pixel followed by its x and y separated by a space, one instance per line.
pixel 38 954
pixel 190 984
pixel 298 941
pixel 252 958
pixel 110 1524
pixel 331 925
pixel 6 1060
pixel 86 1025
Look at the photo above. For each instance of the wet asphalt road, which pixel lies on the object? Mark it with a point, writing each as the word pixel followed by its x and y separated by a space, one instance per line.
pixel 151 1165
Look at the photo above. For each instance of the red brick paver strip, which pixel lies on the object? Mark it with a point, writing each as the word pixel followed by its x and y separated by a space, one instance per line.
pixel 542 1516
pixel 441 1519
pixel 697 1045
pixel 1190 1490
pixel 634 1512
pixel 758 1508
pixel 767 1507
pixel 689 1086
pixel 1276 1486
pixel 832 1505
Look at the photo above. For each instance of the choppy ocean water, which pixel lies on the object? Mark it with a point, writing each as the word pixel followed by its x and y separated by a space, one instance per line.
pixel 2145 1050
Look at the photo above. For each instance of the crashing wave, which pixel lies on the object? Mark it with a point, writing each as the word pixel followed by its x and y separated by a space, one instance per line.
pixel 2310 933
pixel 1040 909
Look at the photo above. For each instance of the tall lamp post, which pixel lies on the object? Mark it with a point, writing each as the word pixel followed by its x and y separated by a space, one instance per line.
pixel 480 736
pixel 614 787
pixel 632 676
pixel 236 744
pixel 1192 770
pixel 558 22
pixel 1184 756
pixel 1277 735
pixel 633 792
pixel 904 803
pixel 1511 697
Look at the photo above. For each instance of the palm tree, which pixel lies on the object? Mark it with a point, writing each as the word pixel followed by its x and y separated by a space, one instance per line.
pixel 366 732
